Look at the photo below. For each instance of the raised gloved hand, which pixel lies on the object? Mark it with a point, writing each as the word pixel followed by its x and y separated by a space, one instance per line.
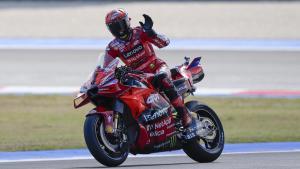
pixel 147 25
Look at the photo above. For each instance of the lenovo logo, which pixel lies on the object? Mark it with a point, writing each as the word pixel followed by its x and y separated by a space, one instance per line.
pixel 135 50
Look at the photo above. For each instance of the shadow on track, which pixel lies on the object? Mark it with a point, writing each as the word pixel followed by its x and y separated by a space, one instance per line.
pixel 142 165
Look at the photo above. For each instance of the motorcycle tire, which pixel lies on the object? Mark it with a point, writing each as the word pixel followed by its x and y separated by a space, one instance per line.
pixel 95 143
pixel 206 151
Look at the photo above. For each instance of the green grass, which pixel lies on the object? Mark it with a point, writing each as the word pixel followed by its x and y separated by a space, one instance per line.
pixel 40 122
pixel 258 120
pixel 50 122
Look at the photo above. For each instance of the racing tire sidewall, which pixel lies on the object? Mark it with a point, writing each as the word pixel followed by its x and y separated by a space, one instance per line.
pixel 192 147
pixel 94 144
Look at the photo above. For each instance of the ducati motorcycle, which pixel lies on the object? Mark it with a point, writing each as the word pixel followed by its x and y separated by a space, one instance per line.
pixel 131 116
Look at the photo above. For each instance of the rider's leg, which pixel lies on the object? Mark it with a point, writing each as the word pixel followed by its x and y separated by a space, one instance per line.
pixel 163 82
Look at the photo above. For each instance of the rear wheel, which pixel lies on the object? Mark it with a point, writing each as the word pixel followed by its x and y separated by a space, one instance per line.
pixel 104 147
pixel 209 147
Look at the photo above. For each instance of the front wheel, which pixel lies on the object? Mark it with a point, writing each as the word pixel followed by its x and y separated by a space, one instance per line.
pixel 209 147
pixel 104 147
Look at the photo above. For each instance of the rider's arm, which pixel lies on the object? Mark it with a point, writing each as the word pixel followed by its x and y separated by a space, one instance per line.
pixel 148 34
pixel 110 54
pixel 158 40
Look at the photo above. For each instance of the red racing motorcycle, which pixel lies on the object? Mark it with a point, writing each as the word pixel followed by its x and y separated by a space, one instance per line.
pixel 131 116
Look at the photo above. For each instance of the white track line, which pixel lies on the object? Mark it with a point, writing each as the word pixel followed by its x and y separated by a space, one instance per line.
pixel 137 156
pixel 226 92
pixel 176 44
pixel 38 90
pixel 171 48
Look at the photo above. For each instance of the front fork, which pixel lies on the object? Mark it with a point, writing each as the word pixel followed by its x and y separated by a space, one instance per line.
pixel 115 122
pixel 111 120
pixel 116 128
pixel 118 131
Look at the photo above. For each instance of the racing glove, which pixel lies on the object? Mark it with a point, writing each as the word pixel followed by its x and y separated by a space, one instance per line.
pixel 147 26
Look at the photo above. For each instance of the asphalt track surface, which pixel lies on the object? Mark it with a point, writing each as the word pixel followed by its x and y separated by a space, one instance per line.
pixel 283 160
pixel 263 70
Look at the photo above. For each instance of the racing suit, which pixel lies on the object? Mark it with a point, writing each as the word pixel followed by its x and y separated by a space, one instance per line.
pixel 138 53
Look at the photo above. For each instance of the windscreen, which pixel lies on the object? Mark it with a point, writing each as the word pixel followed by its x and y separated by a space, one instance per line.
pixel 105 75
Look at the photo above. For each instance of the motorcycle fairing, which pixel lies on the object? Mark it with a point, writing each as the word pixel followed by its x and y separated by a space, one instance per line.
pixel 156 130
pixel 81 100
pixel 157 125
pixel 105 76
pixel 133 98
pixel 194 63
pixel 196 70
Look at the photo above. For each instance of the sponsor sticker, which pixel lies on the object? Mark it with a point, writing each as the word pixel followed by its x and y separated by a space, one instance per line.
pixel 149 116
pixel 159 125
pixel 171 142
pixel 136 57
pixel 152 98
pixel 157 133
pixel 162 144
pixel 151 66
pixel 136 49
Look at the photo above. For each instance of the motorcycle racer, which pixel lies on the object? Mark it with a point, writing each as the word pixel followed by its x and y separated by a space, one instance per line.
pixel 133 45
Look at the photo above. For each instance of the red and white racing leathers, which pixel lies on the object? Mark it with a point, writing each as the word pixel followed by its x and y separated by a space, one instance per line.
pixel 138 52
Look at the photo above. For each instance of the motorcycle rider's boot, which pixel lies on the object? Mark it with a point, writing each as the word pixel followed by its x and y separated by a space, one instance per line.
pixel 187 121
pixel 184 115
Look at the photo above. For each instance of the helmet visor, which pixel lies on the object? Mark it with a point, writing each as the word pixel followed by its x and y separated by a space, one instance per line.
pixel 119 28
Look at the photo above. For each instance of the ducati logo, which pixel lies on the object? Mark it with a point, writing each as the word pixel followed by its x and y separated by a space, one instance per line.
pixel 152 98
